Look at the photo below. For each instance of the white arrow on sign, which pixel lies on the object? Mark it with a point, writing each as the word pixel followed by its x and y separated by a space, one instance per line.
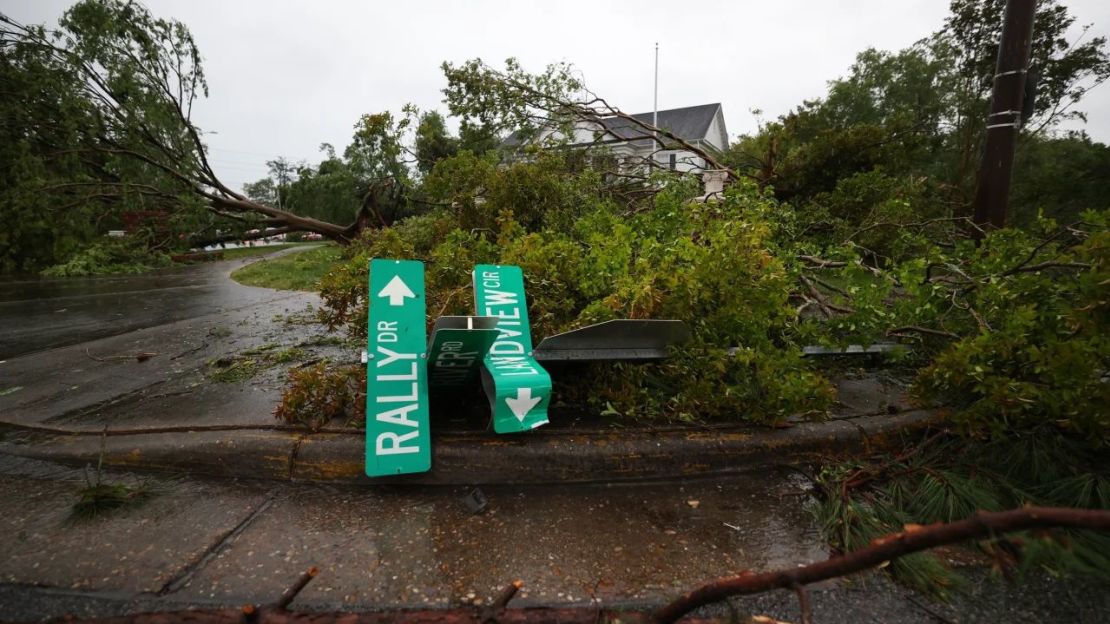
pixel 396 290
pixel 523 403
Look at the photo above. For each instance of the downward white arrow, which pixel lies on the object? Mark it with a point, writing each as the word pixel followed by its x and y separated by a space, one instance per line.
pixel 523 403
pixel 396 290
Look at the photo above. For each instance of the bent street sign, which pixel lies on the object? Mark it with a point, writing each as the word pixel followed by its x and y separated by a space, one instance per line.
pixel 519 388
pixel 459 345
pixel 397 437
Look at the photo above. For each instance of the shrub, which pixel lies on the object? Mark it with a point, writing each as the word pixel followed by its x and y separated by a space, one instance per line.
pixel 314 395
pixel 110 256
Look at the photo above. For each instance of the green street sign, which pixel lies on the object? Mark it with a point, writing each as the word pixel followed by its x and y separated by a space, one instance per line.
pixel 459 345
pixel 397 437
pixel 519 388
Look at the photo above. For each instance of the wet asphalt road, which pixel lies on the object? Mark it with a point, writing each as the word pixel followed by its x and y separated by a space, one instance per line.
pixel 42 314
pixel 68 348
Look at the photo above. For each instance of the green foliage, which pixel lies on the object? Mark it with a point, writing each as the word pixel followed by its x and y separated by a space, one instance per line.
pixel 233 369
pixel 878 175
pixel 945 479
pixel 109 256
pixel 96 500
pixel 1063 68
pixel 917 116
pixel 1035 317
pixel 433 143
pixel 98 497
pixel 511 100
pixel 708 264
pixel 246 364
pixel 376 148
pixel 1010 333
pixel 1059 178
pixel 92 132
pixel 264 191
pixel 316 394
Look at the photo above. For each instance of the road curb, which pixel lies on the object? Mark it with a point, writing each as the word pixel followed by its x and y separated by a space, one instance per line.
pixel 553 456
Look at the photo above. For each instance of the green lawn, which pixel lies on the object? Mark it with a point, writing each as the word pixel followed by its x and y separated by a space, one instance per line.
pixel 294 271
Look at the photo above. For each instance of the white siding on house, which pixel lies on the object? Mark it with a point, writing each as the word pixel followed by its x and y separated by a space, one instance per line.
pixel 717 135
pixel 684 161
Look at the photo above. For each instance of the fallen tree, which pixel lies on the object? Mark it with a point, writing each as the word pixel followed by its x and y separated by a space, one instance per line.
pixel 100 124
pixel 106 122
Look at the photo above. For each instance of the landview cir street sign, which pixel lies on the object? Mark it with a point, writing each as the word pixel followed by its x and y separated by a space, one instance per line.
pixel 397 436
pixel 519 388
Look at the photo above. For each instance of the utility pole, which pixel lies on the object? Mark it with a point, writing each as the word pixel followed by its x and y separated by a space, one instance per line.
pixel 1004 119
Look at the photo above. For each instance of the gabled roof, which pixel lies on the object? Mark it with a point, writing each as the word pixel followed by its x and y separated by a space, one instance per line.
pixel 690 123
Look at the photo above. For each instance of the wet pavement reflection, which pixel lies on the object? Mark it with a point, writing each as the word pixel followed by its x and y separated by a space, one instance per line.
pixel 406 546
pixel 39 314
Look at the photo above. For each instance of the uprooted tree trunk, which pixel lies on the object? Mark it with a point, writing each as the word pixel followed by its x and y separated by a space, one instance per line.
pixel 378 209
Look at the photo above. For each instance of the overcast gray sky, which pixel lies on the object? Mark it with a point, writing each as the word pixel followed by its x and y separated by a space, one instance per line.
pixel 285 76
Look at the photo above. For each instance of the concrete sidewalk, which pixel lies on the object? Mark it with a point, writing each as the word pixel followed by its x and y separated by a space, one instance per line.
pixel 229 542
pixel 221 544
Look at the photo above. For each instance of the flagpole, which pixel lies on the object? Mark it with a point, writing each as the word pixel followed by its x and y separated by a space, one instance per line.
pixel 655 104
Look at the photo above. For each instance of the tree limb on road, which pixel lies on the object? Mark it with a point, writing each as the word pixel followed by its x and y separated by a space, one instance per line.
pixel 914 539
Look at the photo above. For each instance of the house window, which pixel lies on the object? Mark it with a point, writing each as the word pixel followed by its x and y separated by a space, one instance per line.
pixel 673 161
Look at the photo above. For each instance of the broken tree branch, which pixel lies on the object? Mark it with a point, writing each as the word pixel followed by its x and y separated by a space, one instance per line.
pixel 821 263
pixel 1033 268
pixel 489 614
pixel 803 604
pixel 914 539
pixel 914 329
pixel 296 588
pixel 821 300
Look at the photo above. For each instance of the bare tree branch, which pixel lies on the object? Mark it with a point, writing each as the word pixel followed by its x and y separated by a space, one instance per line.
pixel 913 539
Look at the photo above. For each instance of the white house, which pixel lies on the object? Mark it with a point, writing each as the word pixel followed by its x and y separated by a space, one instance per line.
pixel 702 126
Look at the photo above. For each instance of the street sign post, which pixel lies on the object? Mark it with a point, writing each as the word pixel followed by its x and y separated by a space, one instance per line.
pixel 519 388
pixel 397 437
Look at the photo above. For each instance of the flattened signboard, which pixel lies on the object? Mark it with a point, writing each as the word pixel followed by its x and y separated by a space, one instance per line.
pixel 397 437
pixel 519 388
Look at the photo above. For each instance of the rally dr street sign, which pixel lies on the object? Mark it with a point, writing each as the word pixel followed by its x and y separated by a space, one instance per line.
pixel 519 388
pixel 397 437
